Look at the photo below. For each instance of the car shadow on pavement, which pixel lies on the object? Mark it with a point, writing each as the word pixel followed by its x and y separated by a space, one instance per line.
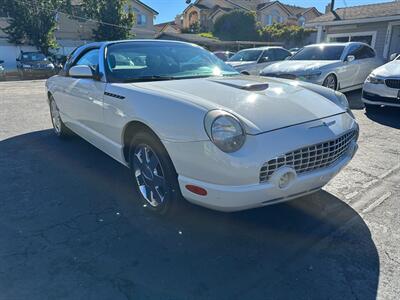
pixel 388 116
pixel 354 98
pixel 71 229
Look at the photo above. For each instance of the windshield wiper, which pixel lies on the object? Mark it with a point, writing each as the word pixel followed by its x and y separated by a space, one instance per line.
pixel 149 78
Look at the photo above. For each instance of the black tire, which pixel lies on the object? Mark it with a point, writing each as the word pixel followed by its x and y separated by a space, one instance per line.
pixel 331 82
pixel 60 129
pixel 245 73
pixel 369 108
pixel 172 201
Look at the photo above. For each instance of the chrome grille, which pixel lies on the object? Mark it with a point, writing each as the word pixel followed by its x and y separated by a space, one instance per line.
pixel 309 158
pixel 393 83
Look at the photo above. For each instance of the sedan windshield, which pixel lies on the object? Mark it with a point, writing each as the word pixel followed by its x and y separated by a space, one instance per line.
pixel 319 53
pixel 246 55
pixel 151 61
pixel 33 56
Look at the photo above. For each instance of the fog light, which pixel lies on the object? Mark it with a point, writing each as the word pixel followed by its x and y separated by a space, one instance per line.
pixel 285 180
pixel 284 177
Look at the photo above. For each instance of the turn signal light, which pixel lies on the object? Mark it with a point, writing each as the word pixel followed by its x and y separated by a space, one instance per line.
pixel 196 190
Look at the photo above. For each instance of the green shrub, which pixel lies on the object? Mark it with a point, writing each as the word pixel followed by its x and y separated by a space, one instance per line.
pixel 237 25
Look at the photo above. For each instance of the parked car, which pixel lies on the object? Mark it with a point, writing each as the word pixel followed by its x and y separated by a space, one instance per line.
pixel 294 50
pixel 34 64
pixel 201 130
pixel 252 61
pixel 382 87
pixel 224 55
pixel 2 71
pixel 339 66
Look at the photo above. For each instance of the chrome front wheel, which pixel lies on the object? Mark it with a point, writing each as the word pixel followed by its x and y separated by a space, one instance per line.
pixel 149 175
pixel 330 82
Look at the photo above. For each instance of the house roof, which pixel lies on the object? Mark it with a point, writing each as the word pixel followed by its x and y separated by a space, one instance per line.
pixel 147 7
pixel 161 26
pixel 361 12
pixel 290 9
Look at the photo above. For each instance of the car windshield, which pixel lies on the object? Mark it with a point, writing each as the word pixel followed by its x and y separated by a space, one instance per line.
pixel 246 55
pixel 148 61
pixel 322 52
pixel 33 56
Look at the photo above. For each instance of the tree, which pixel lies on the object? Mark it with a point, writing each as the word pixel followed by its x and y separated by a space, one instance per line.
pixel 33 22
pixel 237 25
pixel 115 18
pixel 289 35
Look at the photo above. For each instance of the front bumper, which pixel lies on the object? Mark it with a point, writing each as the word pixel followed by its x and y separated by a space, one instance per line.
pixel 232 180
pixel 38 72
pixel 380 94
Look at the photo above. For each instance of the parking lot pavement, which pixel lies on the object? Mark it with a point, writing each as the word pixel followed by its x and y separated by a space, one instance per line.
pixel 71 228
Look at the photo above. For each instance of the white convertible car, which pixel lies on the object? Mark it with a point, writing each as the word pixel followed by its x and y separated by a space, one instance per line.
pixel 188 125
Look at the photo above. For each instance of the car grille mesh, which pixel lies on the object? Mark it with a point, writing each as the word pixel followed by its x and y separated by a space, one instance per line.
pixel 309 158
pixel 393 83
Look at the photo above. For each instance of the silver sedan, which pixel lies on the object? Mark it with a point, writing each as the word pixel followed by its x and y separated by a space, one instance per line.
pixel 339 66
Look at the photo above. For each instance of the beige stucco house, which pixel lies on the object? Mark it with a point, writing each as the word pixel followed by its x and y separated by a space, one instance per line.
pixel 206 12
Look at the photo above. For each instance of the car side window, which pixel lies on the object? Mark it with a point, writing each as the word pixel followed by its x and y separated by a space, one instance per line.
pixel 90 58
pixel 362 52
pixel 267 55
pixel 281 54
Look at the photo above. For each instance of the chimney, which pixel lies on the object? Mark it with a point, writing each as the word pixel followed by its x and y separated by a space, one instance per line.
pixel 328 8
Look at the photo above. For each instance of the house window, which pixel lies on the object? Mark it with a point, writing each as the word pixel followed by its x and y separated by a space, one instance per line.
pixel 272 18
pixel 302 21
pixel 141 19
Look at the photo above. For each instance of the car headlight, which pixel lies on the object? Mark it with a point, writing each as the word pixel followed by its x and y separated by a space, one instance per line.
pixel 224 130
pixel 375 80
pixel 26 66
pixel 311 75
pixel 344 103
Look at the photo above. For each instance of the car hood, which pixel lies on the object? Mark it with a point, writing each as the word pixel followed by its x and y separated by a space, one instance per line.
pixel 262 104
pixel 391 69
pixel 238 64
pixel 299 66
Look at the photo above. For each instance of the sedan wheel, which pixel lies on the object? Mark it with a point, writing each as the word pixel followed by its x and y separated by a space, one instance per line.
pixel 58 125
pixel 330 82
pixel 156 181
pixel 149 175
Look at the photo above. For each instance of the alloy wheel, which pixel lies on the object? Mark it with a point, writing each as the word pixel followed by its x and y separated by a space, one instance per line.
pixel 55 117
pixel 330 82
pixel 149 175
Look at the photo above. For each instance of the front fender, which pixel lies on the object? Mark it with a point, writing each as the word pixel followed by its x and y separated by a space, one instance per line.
pixel 171 118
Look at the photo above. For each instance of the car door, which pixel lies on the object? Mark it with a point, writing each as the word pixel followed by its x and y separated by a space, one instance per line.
pixel 349 72
pixel 370 62
pixel 83 98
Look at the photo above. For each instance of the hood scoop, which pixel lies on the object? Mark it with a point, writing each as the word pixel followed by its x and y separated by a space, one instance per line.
pixel 251 87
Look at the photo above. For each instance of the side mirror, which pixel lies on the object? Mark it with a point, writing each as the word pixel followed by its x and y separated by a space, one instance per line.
pixel 81 72
pixel 393 56
pixel 263 59
pixel 350 58
pixel 17 59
